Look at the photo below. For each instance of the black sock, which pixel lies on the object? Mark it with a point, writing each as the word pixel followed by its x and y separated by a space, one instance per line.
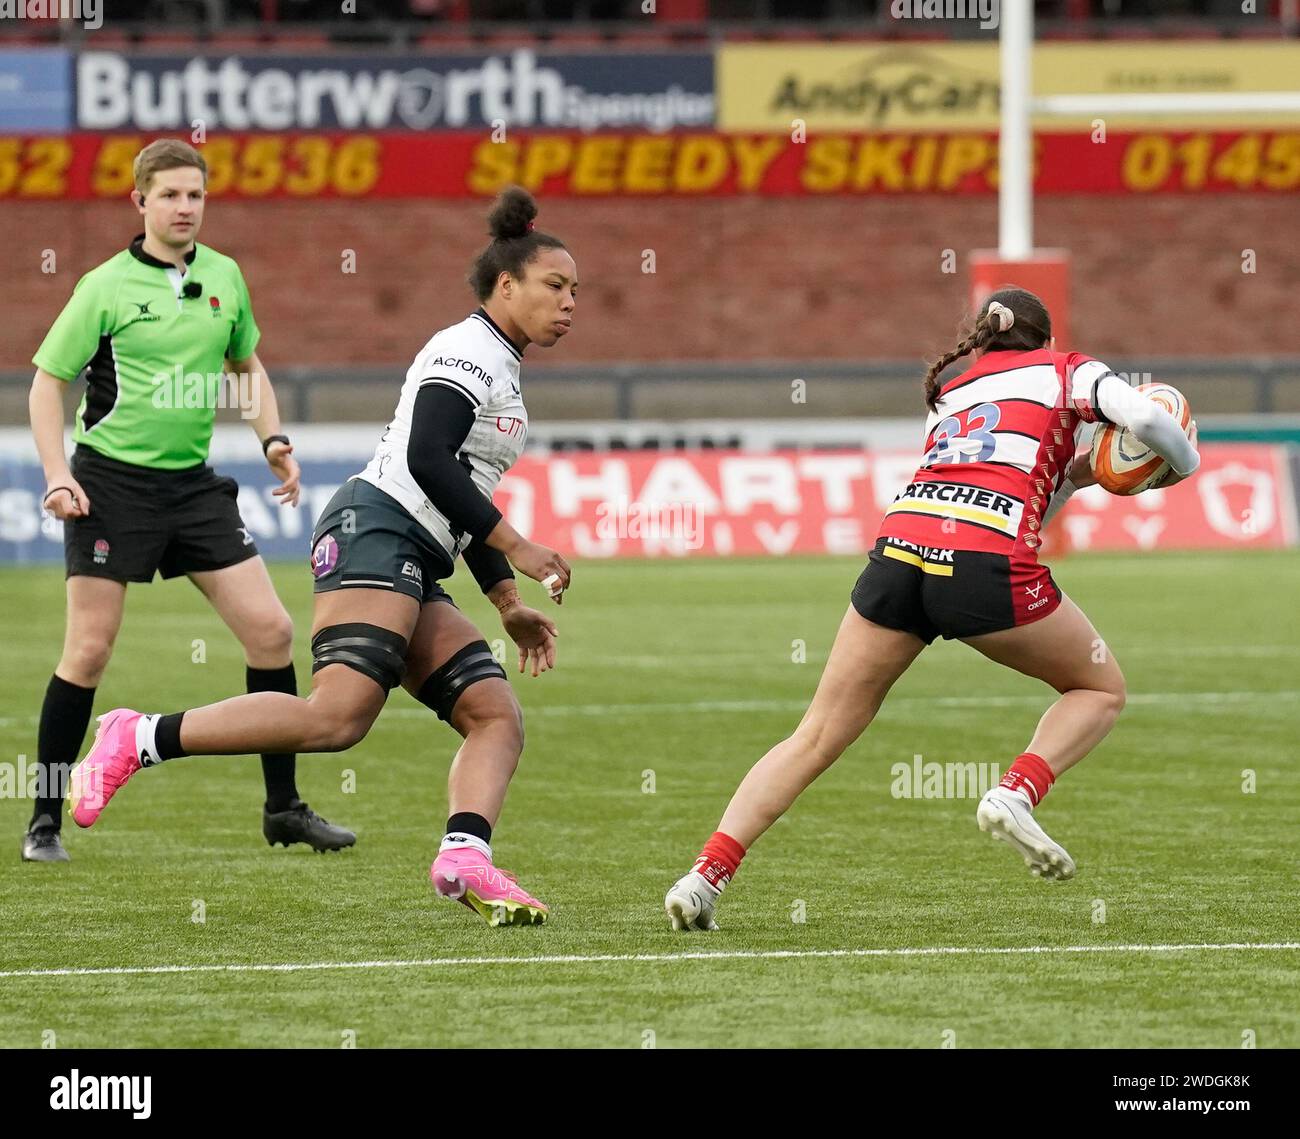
pixel 167 737
pixel 65 716
pixel 469 823
pixel 278 769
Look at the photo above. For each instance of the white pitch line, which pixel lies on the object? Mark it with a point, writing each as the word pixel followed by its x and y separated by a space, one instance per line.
pixel 893 702
pixel 656 958
pixel 668 660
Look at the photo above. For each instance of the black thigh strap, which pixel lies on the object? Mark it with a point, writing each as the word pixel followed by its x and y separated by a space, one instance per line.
pixel 468 666
pixel 374 652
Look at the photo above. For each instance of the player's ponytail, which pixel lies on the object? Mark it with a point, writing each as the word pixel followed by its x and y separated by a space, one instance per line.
pixel 515 241
pixel 1011 319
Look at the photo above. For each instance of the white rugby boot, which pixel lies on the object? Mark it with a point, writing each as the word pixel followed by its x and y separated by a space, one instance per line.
pixel 690 903
pixel 1008 818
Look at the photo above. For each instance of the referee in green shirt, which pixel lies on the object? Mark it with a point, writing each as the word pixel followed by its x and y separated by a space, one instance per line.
pixel 153 328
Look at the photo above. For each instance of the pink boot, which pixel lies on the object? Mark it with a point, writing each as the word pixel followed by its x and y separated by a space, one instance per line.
pixel 111 761
pixel 464 874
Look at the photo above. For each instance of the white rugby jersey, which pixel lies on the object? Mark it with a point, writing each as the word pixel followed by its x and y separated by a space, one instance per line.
pixel 476 359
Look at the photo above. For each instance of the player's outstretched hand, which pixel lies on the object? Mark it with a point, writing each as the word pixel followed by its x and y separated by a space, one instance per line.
pixel 68 501
pixel 279 457
pixel 540 563
pixel 535 635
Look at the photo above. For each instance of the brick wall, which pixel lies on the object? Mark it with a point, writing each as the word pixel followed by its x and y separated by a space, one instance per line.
pixel 738 278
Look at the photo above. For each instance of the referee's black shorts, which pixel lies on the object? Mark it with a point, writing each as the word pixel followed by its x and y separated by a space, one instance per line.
pixel 144 521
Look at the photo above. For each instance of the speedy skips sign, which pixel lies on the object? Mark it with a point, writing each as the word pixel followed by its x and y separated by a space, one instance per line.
pixel 522 88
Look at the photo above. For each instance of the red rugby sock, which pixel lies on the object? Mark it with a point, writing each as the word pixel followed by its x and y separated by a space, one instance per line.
pixel 1029 775
pixel 719 860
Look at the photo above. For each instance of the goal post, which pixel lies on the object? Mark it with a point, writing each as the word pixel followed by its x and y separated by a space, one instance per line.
pixel 1042 271
pixel 1016 259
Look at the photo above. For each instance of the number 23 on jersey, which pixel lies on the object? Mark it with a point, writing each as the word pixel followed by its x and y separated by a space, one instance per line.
pixel 966 437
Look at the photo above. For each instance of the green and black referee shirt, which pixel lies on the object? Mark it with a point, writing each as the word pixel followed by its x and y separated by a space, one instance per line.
pixel 153 357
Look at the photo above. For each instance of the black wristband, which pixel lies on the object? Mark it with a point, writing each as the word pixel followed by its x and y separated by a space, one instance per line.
pixel 266 443
pixel 489 566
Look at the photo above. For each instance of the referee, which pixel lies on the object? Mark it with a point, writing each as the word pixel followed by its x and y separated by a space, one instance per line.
pixel 139 497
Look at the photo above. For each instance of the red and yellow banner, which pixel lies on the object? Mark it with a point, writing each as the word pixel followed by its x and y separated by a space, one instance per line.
pixel 459 165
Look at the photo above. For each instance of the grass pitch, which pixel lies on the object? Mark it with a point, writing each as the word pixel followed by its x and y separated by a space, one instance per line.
pixel 673 678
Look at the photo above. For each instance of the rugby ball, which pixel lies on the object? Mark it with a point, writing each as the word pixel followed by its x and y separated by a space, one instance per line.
pixel 1122 463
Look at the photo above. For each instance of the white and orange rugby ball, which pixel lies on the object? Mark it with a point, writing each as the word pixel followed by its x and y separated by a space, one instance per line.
pixel 1124 464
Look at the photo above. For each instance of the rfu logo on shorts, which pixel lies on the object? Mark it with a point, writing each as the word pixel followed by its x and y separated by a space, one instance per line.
pixel 248 538
pixel 100 551
pixel 413 571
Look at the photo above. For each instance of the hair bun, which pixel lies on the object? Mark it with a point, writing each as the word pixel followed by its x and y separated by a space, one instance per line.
pixel 513 214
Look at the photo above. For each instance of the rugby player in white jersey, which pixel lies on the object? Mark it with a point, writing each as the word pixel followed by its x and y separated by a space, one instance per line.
pixel 378 552
pixel 957 556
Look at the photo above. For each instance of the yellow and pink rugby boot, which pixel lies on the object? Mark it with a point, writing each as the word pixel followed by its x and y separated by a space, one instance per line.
pixel 463 872
pixel 112 760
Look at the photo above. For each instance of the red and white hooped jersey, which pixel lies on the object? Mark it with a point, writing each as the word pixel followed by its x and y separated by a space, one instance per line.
pixel 997 446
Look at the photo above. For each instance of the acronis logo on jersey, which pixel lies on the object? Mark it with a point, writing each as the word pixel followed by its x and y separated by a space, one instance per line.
pixel 462 365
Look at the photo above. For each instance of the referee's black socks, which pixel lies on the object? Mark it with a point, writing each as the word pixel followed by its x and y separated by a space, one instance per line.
pixel 65 716
pixel 278 770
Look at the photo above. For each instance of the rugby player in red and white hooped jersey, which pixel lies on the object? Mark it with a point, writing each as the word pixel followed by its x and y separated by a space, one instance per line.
pixel 957 556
